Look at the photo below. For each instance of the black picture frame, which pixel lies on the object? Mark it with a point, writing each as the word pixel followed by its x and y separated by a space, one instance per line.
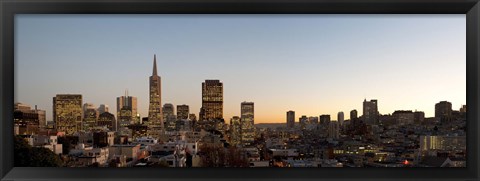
pixel 9 8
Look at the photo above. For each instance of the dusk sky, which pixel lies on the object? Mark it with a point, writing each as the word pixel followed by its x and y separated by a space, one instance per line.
pixel 312 64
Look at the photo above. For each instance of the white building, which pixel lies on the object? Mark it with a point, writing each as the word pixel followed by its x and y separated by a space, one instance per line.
pixel 45 141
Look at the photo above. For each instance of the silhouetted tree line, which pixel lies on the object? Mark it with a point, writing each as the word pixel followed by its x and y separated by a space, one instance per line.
pixel 28 156
pixel 213 155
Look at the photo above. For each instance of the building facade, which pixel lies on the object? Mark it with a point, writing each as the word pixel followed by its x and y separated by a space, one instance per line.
pixel 290 119
pixel 67 113
pixel 169 117
pixel 90 116
pixel 370 112
pixel 25 119
pixel 340 118
pixel 102 108
pixel 353 114
pixel 443 110
pixel 235 131
pixel 127 102
pixel 155 120
pixel 402 117
pixel 108 120
pixel 247 119
pixel 212 100
pixel 182 111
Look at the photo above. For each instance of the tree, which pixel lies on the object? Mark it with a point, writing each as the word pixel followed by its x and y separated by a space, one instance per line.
pixel 27 156
pixel 214 155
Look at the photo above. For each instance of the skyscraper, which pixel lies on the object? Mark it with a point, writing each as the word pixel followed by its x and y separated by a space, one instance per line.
pixel 290 119
pixel 370 112
pixel 169 117
pixel 67 112
pixel 102 108
pixel 90 115
pixel 340 118
pixel 235 131
pixel 443 110
pixel 182 111
pixel 107 119
pixel 247 122
pixel 212 100
pixel 127 101
pixel 155 121
pixel 353 114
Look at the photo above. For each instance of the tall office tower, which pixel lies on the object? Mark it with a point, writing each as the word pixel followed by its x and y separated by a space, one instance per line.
pixel 42 119
pixel 90 115
pixel 235 131
pixel 155 120
pixel 168 110
pixel 67 113
pixel 125 119
pixel 25 119
pixel 370 112
pixel 290 119
pixel 247 122
pixel 212 99
pixel 333 130
pixel 182 111
pixel 108 120
pixel 102 108
pixel 169 117
pixel 340 118
pixel 443 111
pixel 325 119
pixel 127 101
pixel 353 114
pixel 303 121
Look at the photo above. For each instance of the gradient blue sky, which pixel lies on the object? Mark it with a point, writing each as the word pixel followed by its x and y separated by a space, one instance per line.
pixel 312 64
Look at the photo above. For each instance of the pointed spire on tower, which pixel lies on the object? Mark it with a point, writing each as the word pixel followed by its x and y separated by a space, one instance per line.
pixel 154 65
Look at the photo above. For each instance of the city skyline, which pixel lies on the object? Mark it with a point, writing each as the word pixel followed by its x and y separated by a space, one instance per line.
pixel 273 93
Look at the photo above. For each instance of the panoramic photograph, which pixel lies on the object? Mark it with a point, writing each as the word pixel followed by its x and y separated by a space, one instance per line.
pixel 240 90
